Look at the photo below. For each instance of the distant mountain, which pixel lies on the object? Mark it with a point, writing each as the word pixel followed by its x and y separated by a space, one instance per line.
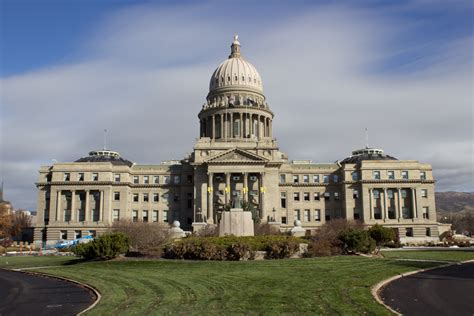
pixel 454 202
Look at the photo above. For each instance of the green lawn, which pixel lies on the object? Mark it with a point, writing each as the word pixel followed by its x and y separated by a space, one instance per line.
pixel 335 285
pixel 447 255
pixel 331 285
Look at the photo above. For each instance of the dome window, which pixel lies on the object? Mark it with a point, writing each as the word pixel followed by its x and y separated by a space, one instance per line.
pixel 236 78
pixel 254 80
pixel 250 79
pixel 228 78
pixel 217 80
pixel 243 78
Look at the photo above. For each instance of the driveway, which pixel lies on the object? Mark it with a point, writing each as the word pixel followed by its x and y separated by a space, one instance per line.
pixel 26 294
pixel 443 291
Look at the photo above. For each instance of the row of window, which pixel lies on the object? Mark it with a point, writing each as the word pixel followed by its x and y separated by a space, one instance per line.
pixel 306 196
pixel 409 232
pixel 404 193
pixel 77 234
pixel 390 175
pixel 305 178
pixel 155 197
pixel 145 216
pixel 136 179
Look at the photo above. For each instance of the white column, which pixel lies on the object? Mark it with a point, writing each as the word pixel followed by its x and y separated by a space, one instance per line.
pixel 58 205
pixel 210 202
pixel 400 210
pixel 73 205
pixel 246 186
pixel 227 188
pixel 101 205
pixel 371 204
pixel 385 208
pixel 87 208
pixel 262 194
pixel 214 127
pixel 413 203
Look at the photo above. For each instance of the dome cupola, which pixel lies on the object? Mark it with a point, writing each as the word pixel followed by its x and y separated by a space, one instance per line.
pixel 235 73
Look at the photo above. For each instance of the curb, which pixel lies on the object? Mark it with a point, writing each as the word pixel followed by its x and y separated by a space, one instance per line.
pixel 377 287
pixel 87 286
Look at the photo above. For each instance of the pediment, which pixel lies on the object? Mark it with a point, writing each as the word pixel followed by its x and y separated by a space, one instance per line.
pixel 236 156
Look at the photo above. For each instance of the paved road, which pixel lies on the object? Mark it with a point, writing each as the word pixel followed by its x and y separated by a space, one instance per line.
pixel 444 291
pixel 25 294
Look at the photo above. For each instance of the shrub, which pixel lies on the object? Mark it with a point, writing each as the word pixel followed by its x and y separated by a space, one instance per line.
pixel 2 250
pixel 282 249
pixel 195 249
pixel 239 251
pixel 355 240
pixel 6 242
pixel 208 231
pixel 381 235
pixel 266 230
pixel 105 247
pixel 146 239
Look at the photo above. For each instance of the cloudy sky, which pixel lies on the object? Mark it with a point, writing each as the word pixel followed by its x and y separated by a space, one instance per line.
pixel 141 69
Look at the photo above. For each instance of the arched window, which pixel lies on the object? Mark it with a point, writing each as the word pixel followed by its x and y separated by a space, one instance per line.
pixel 243 78
pixel 236 78
pixel 228 78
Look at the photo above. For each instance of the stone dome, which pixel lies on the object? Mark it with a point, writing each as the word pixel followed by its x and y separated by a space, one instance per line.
pixel 236 72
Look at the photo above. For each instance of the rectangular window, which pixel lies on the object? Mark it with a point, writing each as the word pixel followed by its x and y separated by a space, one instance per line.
pixel 236 128
pixel 135 216
pixel 167 179
pixel 177 179
pixel 95 177
pixel 335 178
pixel 376 194
pixel 316 178
pixel 317 215
pixel 283 220
pixel 146 179
pixel 80 176
pixel 390 194
pixel 156 179
pixel 296 178
pixel 306 178
pixel 116 196
pixel 355 176
pixel 67 176
pixel 356 214
pixel 93 233
pixel 426 212
pixel 297 214
pixel 67 215
pixel 145 197
pixel 391 175
pixel 283 199
pixel 296 196
pixel 165 216
pixel 176 197
pixel 190 200
pixel 428 232
pixel 424 193
pixel 77 234
pixel 376 175
pixel 422 175
pixel 355 194
pixel 155 216
pixel 116 215
pixel 326 179
pixel 135 197
pixel 156 197
pixel 326 196
pixel 316 196
pixel 307 215
pixel 409 232
pixel 145 216
pixel 282 178
pixel 190 179
pixel 117 177
pixel 166 196
pixel 336 196
pixel 404 194
pixel 135 179
pixel 405 175
pixel 306 196
pixel 63 235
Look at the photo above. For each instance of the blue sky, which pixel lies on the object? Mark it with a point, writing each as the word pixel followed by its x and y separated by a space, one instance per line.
pixel 69 69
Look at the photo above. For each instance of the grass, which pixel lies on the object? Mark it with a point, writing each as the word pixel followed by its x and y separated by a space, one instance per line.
pixel 446 255
pixel 331 285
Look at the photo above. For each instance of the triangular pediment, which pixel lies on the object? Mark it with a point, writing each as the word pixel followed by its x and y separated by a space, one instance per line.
pixel 236 156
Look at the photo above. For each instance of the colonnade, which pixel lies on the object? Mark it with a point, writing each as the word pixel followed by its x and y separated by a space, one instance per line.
pixel 398 202
pixel 60 215
pixel 236 125
pixel 228 191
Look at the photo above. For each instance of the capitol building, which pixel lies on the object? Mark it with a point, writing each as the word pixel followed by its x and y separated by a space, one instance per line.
pixel 235 157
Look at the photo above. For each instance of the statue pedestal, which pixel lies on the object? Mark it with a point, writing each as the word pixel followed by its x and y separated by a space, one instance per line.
pixel 197 226
pixel 236 222
pixel 176 232
pixel 298 231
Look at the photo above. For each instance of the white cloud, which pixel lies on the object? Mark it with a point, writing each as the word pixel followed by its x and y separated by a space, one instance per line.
pixel 144 76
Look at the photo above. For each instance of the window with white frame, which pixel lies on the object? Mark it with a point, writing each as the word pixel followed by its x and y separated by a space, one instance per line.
pixel 316 178
pixel 135 179
pixel 405 175
pixel 116 215
pixel 336 196
pixel 145 215
pixel 426 212
pixel 327 195
pixel 156 179
pixel 155 216
pixel 135 197
pixel 326 179
pixel 316 196
pixel 297 215
pixel 146 179
pixel 135 216
pixel 63 235
pixel 167 179
pixel 282 178
pixel 376 175
pixel 355 176
pixel 145 197
pixel 156 197
pixel 391 174
pixel 296 196
pixel 95 176
pixel 355 194
pixel 117 177
pixel 283 199
pixel 306 178
pixel 296 178
pixel 424 193
pixel 80 176
pixel 306 196
pixel 317 215
pixel 422 175
pixel 165 216
pixel 66 176
pixel 116 196
pixel 307 215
